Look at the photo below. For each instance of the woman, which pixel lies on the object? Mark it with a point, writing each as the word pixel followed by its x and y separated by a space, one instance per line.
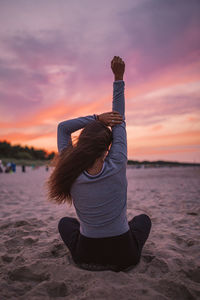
pixel 92 176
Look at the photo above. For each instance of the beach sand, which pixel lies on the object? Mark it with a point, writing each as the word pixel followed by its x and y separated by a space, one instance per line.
pixel 35 264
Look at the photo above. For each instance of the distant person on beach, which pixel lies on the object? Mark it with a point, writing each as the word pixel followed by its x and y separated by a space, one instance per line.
pixel 91 174
pixel 1 166
pixel 23 168
pixel 13 167
pixel 8 168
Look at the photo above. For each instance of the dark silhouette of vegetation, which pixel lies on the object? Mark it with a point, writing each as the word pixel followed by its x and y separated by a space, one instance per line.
pixel 160 163
pixel 19 152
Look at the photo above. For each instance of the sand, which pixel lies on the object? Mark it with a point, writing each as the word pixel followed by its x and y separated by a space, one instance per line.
pixel 35 264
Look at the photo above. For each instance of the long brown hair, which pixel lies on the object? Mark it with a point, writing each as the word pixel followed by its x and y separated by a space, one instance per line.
pixel 94 139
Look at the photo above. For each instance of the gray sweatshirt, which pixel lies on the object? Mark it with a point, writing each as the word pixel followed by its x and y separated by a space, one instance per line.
pixel 101 200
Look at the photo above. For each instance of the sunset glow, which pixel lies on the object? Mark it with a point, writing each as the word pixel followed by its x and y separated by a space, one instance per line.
pixel 55 65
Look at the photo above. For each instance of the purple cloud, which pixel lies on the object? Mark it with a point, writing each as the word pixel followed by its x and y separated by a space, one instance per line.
pixel 163 34
pixel 148 111
pixel 151 36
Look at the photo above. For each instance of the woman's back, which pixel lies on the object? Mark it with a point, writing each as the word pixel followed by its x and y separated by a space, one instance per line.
pixel 100 201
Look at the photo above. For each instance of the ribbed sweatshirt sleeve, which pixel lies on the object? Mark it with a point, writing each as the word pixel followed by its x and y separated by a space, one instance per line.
pixel 66 128
pixel 118 150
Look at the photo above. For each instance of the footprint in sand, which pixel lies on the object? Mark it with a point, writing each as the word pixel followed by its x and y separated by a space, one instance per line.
pixel 194 274
pixel 156 267
pixel 6 258
pixel 190 242
pixel 19 259
pixel 25 274
pixel 148 258
pixel 21 223
pixel 58 250
pixel 56 289
pixel 174 290
pixel 50 290
pixel 30 241
pixel 14 245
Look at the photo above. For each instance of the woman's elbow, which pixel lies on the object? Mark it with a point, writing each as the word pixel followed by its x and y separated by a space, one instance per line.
pixel 60 125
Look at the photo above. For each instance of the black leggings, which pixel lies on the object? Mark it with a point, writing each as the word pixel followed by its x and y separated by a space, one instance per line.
pixel 116 253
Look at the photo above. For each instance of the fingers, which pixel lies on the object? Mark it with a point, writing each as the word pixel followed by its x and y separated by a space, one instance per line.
pixel 115 118
pixel 115 112
pixel 111 118
pixel 115 115
pixel 114 122
pixel 117 59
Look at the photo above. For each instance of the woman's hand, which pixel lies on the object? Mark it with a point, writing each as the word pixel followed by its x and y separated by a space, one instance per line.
pixel 110 118
pixel 118 67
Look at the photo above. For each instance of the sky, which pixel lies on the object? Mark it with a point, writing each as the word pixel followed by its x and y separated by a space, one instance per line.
pixel 55 65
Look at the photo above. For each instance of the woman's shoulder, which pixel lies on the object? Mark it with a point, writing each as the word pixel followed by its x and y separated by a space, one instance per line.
pixel 110 169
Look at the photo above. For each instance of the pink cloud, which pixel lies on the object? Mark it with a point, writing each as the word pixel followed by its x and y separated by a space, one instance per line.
pixel 57 65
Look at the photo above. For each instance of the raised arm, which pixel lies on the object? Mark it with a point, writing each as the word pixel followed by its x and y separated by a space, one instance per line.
pixel 66 128
pixel 118 150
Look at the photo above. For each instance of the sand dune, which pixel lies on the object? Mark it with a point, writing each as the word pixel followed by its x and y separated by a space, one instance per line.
pixel 35 264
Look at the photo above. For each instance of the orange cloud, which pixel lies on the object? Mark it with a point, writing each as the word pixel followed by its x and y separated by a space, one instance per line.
pixel 193 119
pixel 151 151
pixel 59 111
pixel 157 127
pixel 24 137
pixel 173 139
pixel 171 77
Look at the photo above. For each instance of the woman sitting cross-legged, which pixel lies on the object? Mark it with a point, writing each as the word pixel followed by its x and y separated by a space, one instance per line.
pixel 91 174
